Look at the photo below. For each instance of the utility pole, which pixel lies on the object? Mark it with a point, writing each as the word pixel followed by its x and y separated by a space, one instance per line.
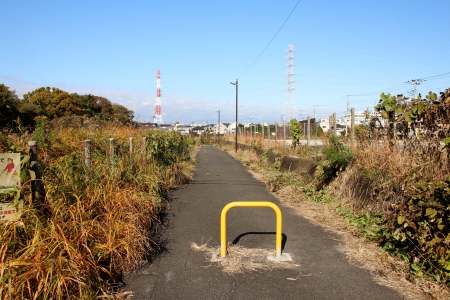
pixel 416 82
pixel 315 110
pixel 346 115
pixel 236 128
pixel 290 101
pixel 353 127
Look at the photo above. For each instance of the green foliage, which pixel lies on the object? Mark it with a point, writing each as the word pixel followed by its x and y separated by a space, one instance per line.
pixel 369 225
pixel 276 165
pixel 423 228
pixel 266 154
pixel 337 157
pixel 55 103
pixel 296 131
pixel 318 196
pixel 277 180
pixel 206 139
pixel 390 107
pixel 169 147
pixel 121 114
pixel 319 131
pixel 9 103
pixel 42 133
pixel 256 145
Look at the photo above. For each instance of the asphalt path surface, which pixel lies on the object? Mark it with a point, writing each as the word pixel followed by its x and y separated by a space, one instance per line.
pixel 179 272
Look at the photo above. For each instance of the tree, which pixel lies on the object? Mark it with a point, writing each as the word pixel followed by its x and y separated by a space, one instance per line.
pixel 122 114
pixel 103 108
pixel 52 102
pixel 28 111
pixel 296 131
pixel 9 103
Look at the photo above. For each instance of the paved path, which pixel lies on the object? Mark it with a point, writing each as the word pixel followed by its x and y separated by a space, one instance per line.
pixel 194 216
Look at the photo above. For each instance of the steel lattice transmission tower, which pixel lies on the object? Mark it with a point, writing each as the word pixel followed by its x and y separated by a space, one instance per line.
pixel 157 118
pixel 290 102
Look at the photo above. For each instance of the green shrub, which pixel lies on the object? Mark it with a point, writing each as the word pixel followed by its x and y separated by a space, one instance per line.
pixel 337 157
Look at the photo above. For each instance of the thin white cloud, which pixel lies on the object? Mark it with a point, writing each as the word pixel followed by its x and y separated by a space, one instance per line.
pixel 175 107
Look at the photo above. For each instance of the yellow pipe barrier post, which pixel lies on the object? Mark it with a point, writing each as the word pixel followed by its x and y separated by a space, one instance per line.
pixel 223 223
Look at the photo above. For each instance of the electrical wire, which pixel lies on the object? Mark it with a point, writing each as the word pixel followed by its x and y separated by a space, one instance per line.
pixel 271 39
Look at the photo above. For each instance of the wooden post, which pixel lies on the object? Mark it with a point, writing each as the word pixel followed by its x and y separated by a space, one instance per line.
pixel 334 123
pixel 112 151
pixel 308 130
pixel 276 135
pixel 131 146
pixel 37 188
pixel 87 158
pixel 262 130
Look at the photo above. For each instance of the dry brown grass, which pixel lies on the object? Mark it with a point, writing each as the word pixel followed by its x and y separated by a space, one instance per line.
pixel 381 174
pixel 387 270
pixel 90 232
pixel 241 260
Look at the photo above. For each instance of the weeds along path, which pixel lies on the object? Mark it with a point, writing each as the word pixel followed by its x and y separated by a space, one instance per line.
pixel 90 220
pixel 318 271
pixel 321 210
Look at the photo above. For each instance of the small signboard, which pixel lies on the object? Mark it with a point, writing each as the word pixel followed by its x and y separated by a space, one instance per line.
pixel 9 171
pixel 10 212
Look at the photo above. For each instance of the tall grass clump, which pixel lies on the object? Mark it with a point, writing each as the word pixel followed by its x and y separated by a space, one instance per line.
pixel 88 231
pixel 337 157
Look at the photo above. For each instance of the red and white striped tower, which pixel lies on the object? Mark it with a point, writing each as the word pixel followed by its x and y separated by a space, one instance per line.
pixel 157 118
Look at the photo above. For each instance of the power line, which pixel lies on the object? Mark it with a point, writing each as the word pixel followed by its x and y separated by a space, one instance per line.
pixel 271 39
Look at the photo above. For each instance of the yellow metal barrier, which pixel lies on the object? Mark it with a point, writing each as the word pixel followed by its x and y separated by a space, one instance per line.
pixel 223 223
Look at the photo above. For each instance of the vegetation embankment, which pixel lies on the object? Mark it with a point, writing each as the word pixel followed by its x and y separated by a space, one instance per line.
pixel 89 228
pixel 394 186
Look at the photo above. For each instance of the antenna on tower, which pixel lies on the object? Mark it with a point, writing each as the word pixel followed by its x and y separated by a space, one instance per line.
pixel 157 118
pixel 290 101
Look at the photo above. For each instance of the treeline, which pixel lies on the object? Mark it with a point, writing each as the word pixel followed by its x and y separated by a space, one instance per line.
pixel 54 103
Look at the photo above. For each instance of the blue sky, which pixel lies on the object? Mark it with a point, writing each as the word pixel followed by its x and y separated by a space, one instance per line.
pixel 113 49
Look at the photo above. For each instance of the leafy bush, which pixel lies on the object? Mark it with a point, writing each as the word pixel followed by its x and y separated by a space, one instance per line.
pixel 423 228
pixel 337 157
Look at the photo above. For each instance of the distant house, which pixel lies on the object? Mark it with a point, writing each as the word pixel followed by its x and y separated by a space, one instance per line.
pixel 199 130
pixel 183 129
pixel 231 128
pixel 324 124
pixel 221 129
